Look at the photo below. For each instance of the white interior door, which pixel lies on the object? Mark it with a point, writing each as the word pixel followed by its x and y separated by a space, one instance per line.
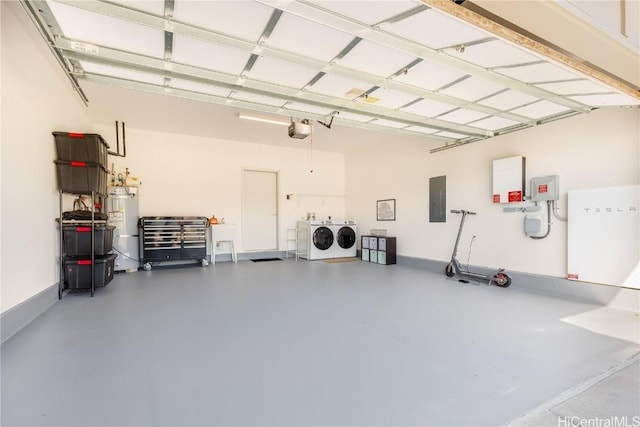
pixel 259 211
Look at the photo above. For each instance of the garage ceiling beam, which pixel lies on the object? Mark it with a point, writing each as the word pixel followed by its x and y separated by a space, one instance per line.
pixel 156 66
pixel 130 84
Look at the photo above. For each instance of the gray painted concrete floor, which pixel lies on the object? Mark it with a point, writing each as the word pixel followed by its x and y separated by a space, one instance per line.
pixel 311 343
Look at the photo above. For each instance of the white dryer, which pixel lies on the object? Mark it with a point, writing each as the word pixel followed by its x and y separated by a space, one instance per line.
pixel 346 237
pixel 317 238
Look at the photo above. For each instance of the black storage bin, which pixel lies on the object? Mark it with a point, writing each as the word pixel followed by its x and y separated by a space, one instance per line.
pixel 77 240
pixel 77 271
pixel 82 147
pixel 82 177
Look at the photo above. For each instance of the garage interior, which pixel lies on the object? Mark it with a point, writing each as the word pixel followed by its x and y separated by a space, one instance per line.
pixel 333 110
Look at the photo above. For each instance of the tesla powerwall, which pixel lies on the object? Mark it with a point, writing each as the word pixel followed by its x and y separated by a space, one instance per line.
pixel 604 236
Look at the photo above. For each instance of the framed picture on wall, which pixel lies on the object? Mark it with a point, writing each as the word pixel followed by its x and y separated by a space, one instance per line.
pixel 386 210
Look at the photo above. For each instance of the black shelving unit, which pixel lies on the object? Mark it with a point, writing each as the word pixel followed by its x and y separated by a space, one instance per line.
pixel 81 169
pixel 78 259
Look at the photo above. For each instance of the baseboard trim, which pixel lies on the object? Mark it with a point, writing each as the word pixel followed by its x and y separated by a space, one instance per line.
pixel 592 293
pixel 16 318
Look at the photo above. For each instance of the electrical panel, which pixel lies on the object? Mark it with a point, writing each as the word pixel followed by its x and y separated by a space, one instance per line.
pixel 508 180
pixel 545 188
pixel 438 199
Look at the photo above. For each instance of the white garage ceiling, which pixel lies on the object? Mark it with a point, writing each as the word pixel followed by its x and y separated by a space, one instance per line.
pixel 403 66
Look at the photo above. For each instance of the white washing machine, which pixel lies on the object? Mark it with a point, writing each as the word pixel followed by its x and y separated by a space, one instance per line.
pixel 317 239
pixel 346 237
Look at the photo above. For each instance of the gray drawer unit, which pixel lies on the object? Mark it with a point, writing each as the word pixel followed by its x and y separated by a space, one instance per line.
pixel 170 238
pixel 379 250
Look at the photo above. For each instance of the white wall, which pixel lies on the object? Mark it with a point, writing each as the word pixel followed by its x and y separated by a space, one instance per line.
pixel 187 175
pixel 182 175
pixel 595 150
pixel 36 100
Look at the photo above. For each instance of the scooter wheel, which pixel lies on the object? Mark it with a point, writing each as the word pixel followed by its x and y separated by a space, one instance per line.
pixel 501 280
pixel 448 270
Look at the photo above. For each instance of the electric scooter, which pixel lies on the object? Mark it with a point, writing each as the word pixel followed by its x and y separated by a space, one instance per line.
pixel 454 268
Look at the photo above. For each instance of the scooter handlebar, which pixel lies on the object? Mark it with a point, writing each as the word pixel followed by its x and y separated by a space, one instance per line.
pixel 462 212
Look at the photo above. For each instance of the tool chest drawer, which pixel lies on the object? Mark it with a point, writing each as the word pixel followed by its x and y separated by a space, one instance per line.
pixel 168 238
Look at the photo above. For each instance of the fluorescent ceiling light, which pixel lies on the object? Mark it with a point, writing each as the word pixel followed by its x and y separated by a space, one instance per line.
pixel 263 119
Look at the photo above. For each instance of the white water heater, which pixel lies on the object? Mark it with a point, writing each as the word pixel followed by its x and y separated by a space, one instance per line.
pixel 122 208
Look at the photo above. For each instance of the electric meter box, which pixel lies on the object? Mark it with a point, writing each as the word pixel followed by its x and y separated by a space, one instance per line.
pixel 508 180
pixel 545 188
